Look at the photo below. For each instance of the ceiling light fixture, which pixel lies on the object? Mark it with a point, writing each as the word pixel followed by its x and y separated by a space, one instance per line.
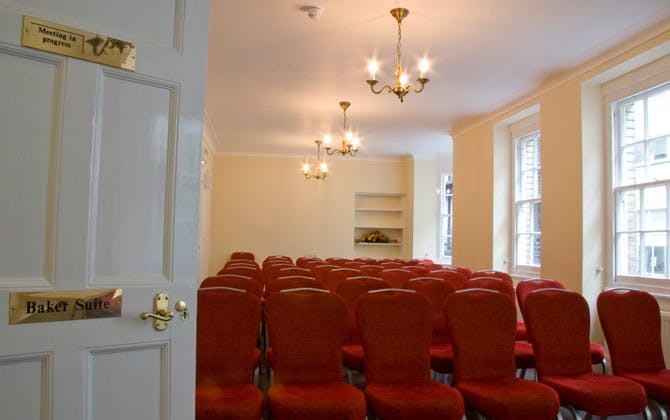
pixel 320 170
pixel 402 85
pixel 350 142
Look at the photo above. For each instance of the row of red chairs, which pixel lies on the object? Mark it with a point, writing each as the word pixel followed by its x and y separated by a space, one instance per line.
pixel 307 330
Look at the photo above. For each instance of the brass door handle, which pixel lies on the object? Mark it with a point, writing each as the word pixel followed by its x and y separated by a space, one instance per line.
pixel 161 315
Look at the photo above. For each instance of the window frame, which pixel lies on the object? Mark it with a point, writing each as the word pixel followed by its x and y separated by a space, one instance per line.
pixel 616 95
pixel 527 127
pixel 445 179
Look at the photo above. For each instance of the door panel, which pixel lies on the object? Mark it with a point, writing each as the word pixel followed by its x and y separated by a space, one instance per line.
pixel 28 215
pixel 99 183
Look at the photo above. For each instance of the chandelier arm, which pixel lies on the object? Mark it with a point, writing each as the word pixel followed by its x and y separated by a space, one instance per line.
pixel 422 81
pixel 372 88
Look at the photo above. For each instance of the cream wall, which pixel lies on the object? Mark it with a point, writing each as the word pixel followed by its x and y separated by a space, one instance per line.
pixel 574 156
pixel 264 205
pixel 426 202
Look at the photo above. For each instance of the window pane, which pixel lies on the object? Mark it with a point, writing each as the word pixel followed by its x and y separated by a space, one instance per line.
pixel 628 254
pixel 633 122
pixel 659 161
pixel 628 211
pixel 659 118
pixel 537 217
pixel 655 208
pixel 523 250
pixel 537 249
pixel 654 254
pixel 632 165
pixel 524 218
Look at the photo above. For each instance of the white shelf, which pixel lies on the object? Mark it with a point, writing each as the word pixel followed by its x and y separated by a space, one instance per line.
pixel 384 212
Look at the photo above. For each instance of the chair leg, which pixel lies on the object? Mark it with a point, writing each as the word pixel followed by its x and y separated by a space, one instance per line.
pixel 573 412
pixel 658 407
pixel 604 365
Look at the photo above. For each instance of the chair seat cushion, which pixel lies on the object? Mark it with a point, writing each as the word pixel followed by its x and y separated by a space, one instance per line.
pixel 328 401
pixel 510 398
pixel 524 356
pixel 655 383
pixel 442 358
pixel 597 353
pixel 239 401
pixel 414 400
pixel 602 395
pixel 353 357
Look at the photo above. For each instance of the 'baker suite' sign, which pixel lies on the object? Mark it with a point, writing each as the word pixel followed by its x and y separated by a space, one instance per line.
pixel 64 305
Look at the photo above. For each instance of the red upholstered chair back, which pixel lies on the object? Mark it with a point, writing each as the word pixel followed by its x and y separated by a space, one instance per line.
pixel 391 264
pixel 227 329
pixel 303 262
pixel 453 277
pixel 233 280
pixel 241 262
pixel 294 271
pixel 430 266
pixel 336 275
pixel 356 265
pixel 350 290
pixel 493 273
pixel 417 270
pixel 245 271
pixel 559 322
pixel 291 282
pixel 396 330
pixel 366 260
pixel 461 269
pixel 398 278
pixel 243 255
pixel 436 290
pixel 371 269
pixel 482 324
pixel 493 283
pixel 631 321
pixel 306 330
pixel 321 270
pixel 524 288
pixel 338 261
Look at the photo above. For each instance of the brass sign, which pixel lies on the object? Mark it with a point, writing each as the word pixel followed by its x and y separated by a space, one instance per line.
pixel 64 305
pixel 72 42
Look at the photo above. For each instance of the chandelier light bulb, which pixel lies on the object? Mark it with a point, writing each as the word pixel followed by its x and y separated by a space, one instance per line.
pixel 327 140
pixel 424 65
pixel 403 79
pixel 373 67
pixel 305 168
pixel 324 167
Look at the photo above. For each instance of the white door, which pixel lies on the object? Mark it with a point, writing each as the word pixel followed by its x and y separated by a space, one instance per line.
pixel 99 179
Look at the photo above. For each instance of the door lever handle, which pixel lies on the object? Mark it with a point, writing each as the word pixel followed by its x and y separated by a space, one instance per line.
pixel 161 315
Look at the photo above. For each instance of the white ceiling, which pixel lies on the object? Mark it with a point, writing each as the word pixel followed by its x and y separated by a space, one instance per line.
pixel 275 76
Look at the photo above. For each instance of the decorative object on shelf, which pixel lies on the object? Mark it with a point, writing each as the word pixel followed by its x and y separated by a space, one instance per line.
pixel 402 85
pixel 375 237
pixel 350 142
pixel 320 170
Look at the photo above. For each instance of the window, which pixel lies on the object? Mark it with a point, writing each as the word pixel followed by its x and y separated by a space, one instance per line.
pixel 446 217
pixel 527 235
pixel 641 185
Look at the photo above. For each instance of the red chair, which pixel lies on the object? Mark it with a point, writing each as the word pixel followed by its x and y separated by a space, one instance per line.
pixel 336 275
pixel 559 322
pixel 417 270
pixel 245 283
pixel 245 271
pixel 243 255
pixel 461 269
pixel 441 350
pixel 391 264
pixel 524 288
pixel 371 269
pixel 493 273
pixel 350 290
pixel 224 363
pixel 631 321
pixel 321 270
pixel 307 330
pixel 453 277
pixel 523 351
pixel 396 277
pixel 302 261
pixel 396 329
pixel 482 326
pixel 291 282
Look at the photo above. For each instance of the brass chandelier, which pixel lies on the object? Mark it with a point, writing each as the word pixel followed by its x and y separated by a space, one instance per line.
pixel 402 86
pixel 350 142
pixel 320 169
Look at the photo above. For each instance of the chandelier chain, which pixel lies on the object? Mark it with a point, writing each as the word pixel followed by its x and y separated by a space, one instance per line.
pixel 399 43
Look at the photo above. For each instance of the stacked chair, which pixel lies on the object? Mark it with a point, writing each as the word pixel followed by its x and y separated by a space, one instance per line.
pixel 631 321
pixel 307 331
pixel 482 327
pixel 559 322
pixel 396 330
pixel 224 373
